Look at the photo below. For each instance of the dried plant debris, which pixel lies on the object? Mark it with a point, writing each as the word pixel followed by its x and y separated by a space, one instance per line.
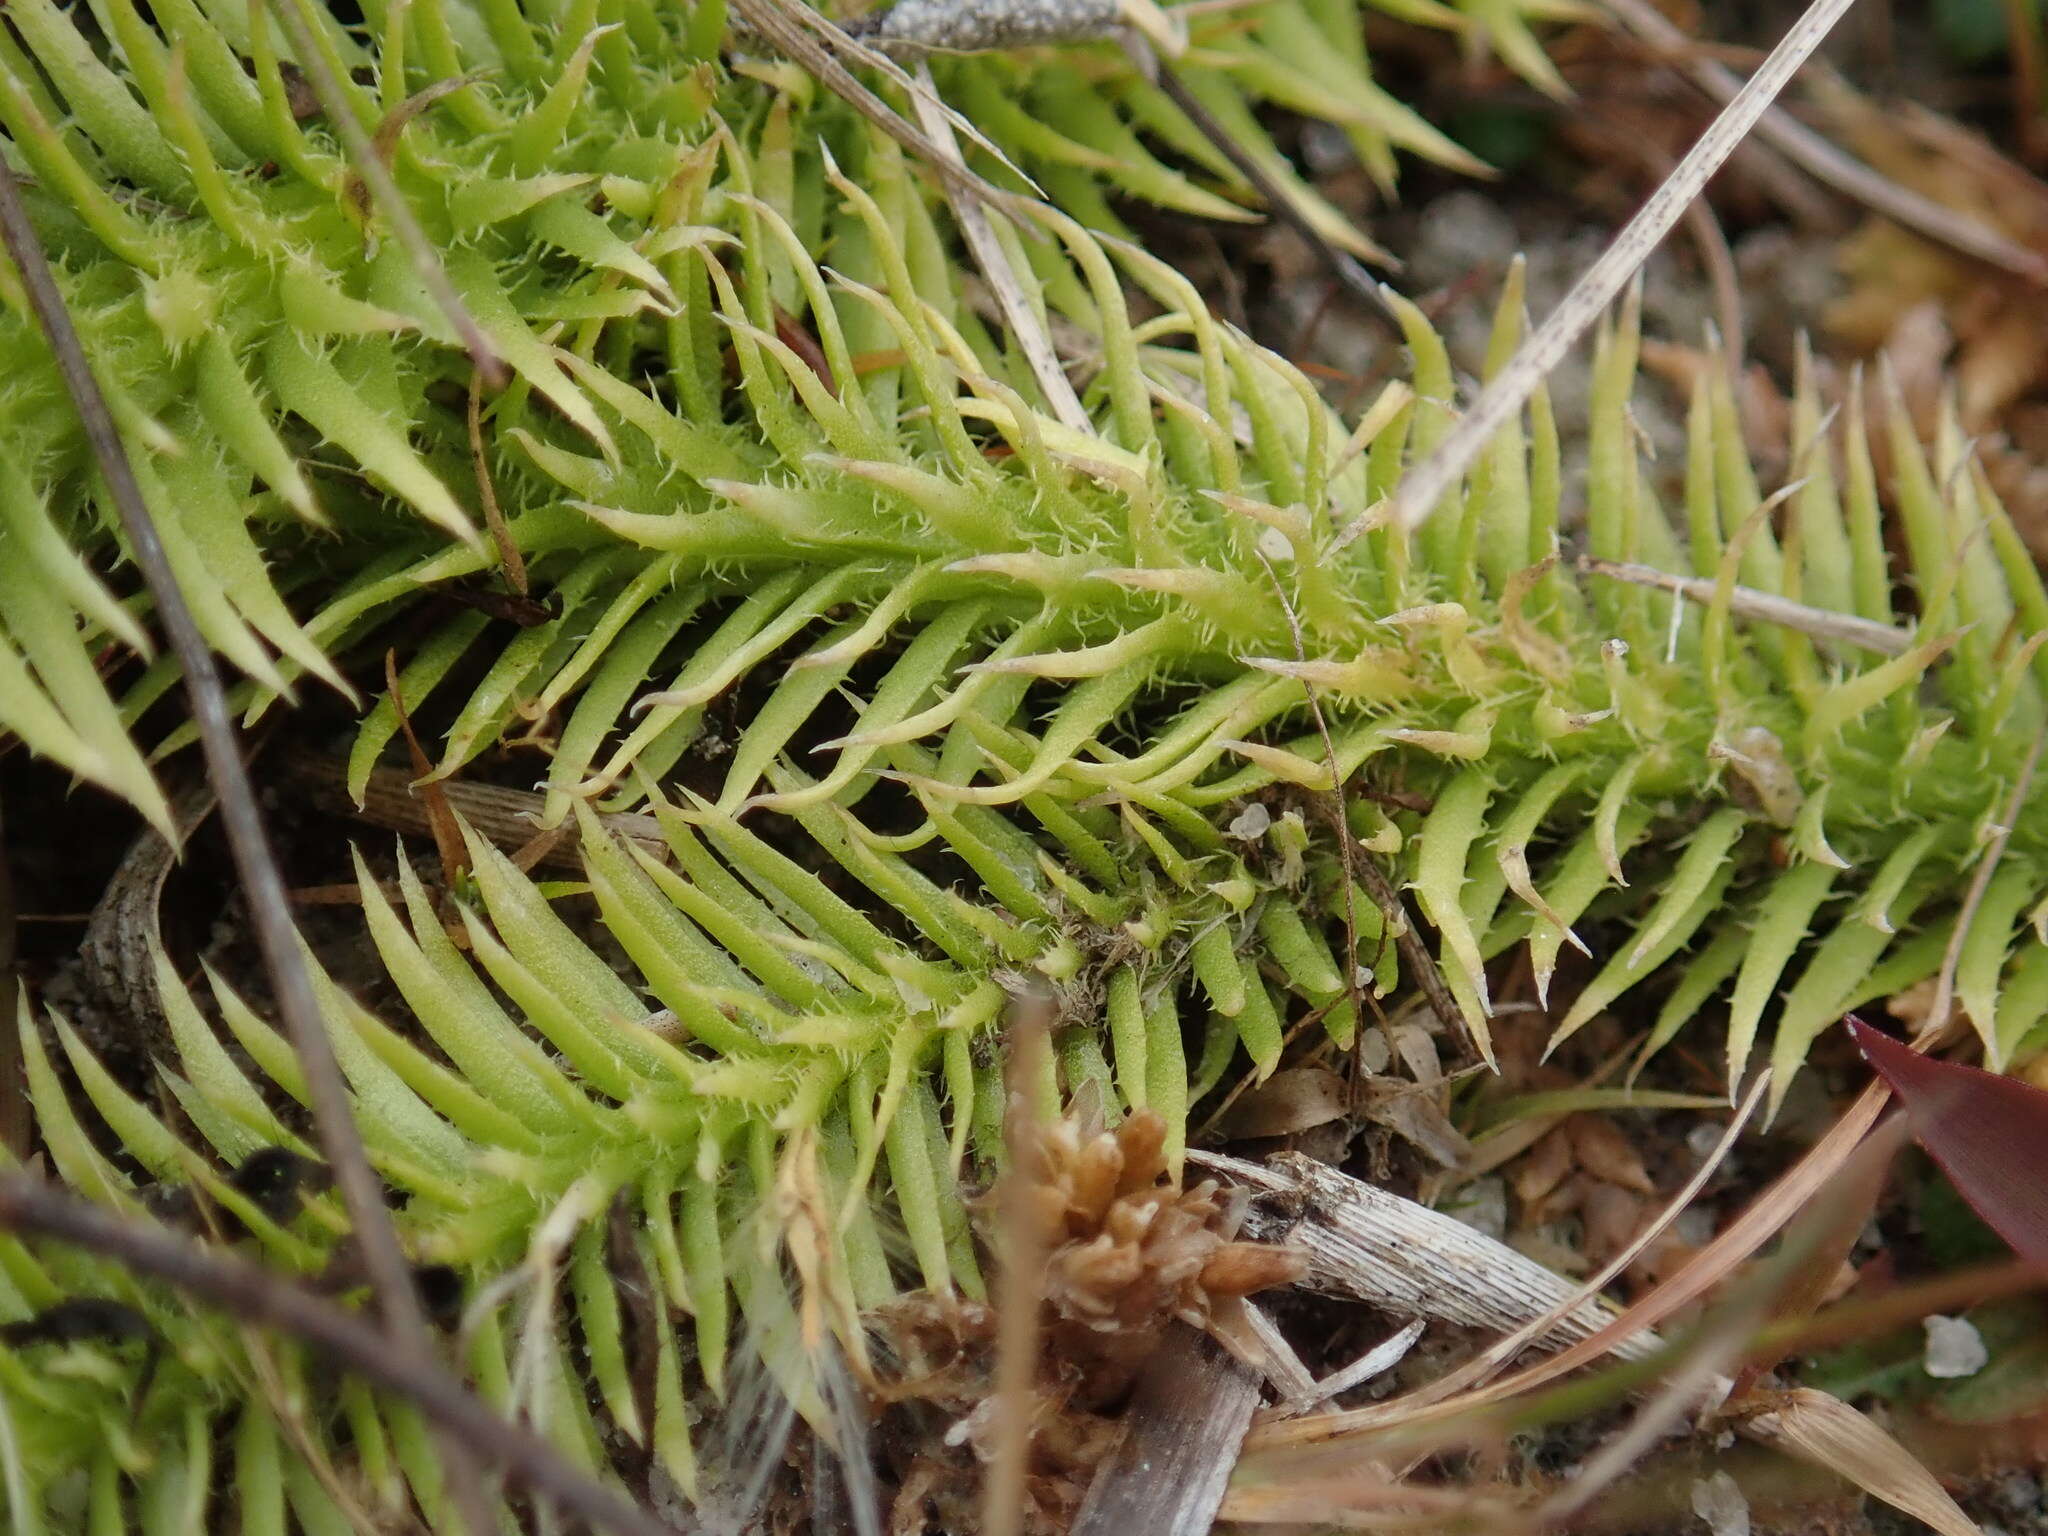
pixel 1374 1246
pixel 920 695
pixel 1958 335
pixel 1130 1255
pixel 1127 1248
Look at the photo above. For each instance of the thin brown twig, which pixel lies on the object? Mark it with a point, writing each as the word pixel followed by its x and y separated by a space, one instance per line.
pixel 510 560
pixel 255 1296
pixel 1022 1280
pixel 433 793
pixel 1765 607
pixel 1409 944
pixel 1250 1079
pixel 249 842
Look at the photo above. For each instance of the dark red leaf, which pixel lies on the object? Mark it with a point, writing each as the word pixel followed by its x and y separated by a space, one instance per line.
pixel 1989 1133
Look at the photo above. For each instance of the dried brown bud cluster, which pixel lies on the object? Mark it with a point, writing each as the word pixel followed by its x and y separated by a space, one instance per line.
pixel 1125 1251
pixel 1125 1248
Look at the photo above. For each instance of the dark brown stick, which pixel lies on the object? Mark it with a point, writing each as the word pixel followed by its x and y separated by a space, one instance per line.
pixel 255 1296
pixel 508 817
pixel 255 863
pixel 14 1107
pixel 1414 953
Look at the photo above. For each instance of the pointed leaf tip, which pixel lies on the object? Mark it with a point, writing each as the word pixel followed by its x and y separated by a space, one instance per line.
pixel 1989 1134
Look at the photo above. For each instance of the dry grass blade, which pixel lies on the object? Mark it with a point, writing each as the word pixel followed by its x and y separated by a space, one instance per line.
pixel 973 216
pixel 1629 1334
pixel 1829 165
pixel 1764 607
pixel 1740 1240
pixel 1852 1204
pixel 1806 1259
pixel 1377 1361
pixel 248 841
pixel 1851 1320
pixel 1479 1369
pixel 256 1297
pixel 1829 1433
pixel 1693 1385
pixel 1692 1374
pixel 1426 484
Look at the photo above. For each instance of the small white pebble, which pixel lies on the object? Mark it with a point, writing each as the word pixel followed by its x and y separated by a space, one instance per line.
pixel 1251 823
pixel 1701 1140
pixel 1954 1348
pixel 1718 1500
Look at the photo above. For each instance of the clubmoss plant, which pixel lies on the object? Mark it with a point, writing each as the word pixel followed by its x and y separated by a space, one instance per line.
pixel 937 701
